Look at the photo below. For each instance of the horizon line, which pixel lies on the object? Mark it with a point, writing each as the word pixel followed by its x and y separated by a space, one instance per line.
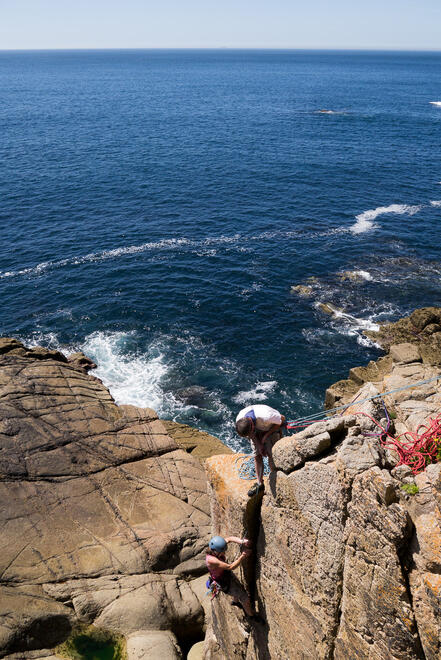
pixel 224 48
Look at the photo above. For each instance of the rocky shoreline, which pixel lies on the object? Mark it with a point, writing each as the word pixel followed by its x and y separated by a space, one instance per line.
pixel 105 517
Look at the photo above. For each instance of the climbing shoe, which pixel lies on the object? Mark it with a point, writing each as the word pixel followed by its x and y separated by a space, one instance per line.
pixel 256 488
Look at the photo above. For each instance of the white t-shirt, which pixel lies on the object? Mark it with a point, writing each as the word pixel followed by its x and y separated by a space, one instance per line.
pixel 265 416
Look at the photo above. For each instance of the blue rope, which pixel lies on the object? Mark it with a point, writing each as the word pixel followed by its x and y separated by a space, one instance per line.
pixel 246 468
pixel 326 414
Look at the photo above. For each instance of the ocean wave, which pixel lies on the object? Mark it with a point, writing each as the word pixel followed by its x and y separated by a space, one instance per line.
pixel 438 103
pixel 164 244
pixel 436 202
pixel 330 112
pixel 202 248
pixel 258 393
pixel 348 324
pixel 365 220
pixel 131 378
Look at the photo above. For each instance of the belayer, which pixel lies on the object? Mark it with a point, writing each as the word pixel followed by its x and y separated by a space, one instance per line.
pixel 221 575
pixel 263 426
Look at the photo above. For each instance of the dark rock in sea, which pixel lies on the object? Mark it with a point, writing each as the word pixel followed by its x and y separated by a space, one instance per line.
pixel 79 360
pixel 304 290
pixel 195 395
pixel 329 308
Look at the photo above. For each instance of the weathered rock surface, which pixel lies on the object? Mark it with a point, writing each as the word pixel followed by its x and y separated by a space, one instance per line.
pixel 197 443
pixel 289 453
pixel 146 645
pixel 422 327
pixel 376 615
pixel 96 501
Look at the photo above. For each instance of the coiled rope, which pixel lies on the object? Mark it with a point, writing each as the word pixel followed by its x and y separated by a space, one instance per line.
pixel 246 468
pixel 415 449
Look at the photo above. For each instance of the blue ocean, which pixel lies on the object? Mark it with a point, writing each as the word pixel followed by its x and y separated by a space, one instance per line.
pixel 157 207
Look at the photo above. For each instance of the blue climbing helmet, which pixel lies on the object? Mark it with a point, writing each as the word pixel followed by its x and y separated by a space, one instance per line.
pixel 217 543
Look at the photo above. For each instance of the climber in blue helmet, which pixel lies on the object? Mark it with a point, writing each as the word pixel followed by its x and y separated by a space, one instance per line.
pixel 221 576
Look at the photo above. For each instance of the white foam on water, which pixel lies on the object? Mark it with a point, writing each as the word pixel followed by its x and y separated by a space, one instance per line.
pixel 356 323
pixel 258 393
pixel 365 220
pixel 364 274
pixel 436 202
pixel 131 378
pixel 330 112
pixel 438 103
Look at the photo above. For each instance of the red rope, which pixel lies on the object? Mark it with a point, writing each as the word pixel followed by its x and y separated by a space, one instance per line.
pixel 414 448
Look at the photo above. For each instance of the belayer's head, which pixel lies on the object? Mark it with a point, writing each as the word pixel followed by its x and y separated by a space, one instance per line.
pixel 217 544
pixel 245 427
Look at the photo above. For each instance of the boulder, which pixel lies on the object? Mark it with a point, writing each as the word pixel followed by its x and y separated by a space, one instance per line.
pixel 30 620
pixel 79 360
pixel 405 353
pixel 293 451
pixel 198 443
pixel 304 290
pixel 150 644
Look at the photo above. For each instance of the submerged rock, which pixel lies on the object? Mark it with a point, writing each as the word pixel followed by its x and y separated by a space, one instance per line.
pixel 329 308
pixel 195 395
pixel 356 276
pixel 304 290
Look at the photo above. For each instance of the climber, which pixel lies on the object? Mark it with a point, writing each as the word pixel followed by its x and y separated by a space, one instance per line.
pixel 263 426
pixel 221 576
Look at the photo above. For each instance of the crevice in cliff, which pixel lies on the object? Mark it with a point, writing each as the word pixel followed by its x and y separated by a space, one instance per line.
pixel 405 557
pixel 253 525
pixel 340 575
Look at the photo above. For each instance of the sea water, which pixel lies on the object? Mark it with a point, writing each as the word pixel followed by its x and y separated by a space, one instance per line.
pixel 158 206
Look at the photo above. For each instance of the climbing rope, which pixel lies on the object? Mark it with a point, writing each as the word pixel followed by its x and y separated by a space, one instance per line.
pixel 246 468
pixel 332 412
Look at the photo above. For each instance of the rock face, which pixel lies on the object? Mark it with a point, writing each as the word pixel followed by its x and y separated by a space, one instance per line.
pixel 197 443
pixel 104 519
pixel 347 565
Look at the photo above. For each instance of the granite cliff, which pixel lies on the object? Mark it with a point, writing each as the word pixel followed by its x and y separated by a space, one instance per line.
pixel 347 564
pixel 105 516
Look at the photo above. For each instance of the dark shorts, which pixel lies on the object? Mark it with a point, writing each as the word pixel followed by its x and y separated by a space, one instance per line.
pixel 263 449
pixel 230 585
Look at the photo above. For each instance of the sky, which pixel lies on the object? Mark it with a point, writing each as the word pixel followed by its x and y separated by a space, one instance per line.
pixel 364 24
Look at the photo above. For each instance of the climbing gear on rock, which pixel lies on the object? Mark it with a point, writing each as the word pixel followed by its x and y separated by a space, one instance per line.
pixel 256 488
pixel 247 469
pixel 213 587
pixel 218 544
